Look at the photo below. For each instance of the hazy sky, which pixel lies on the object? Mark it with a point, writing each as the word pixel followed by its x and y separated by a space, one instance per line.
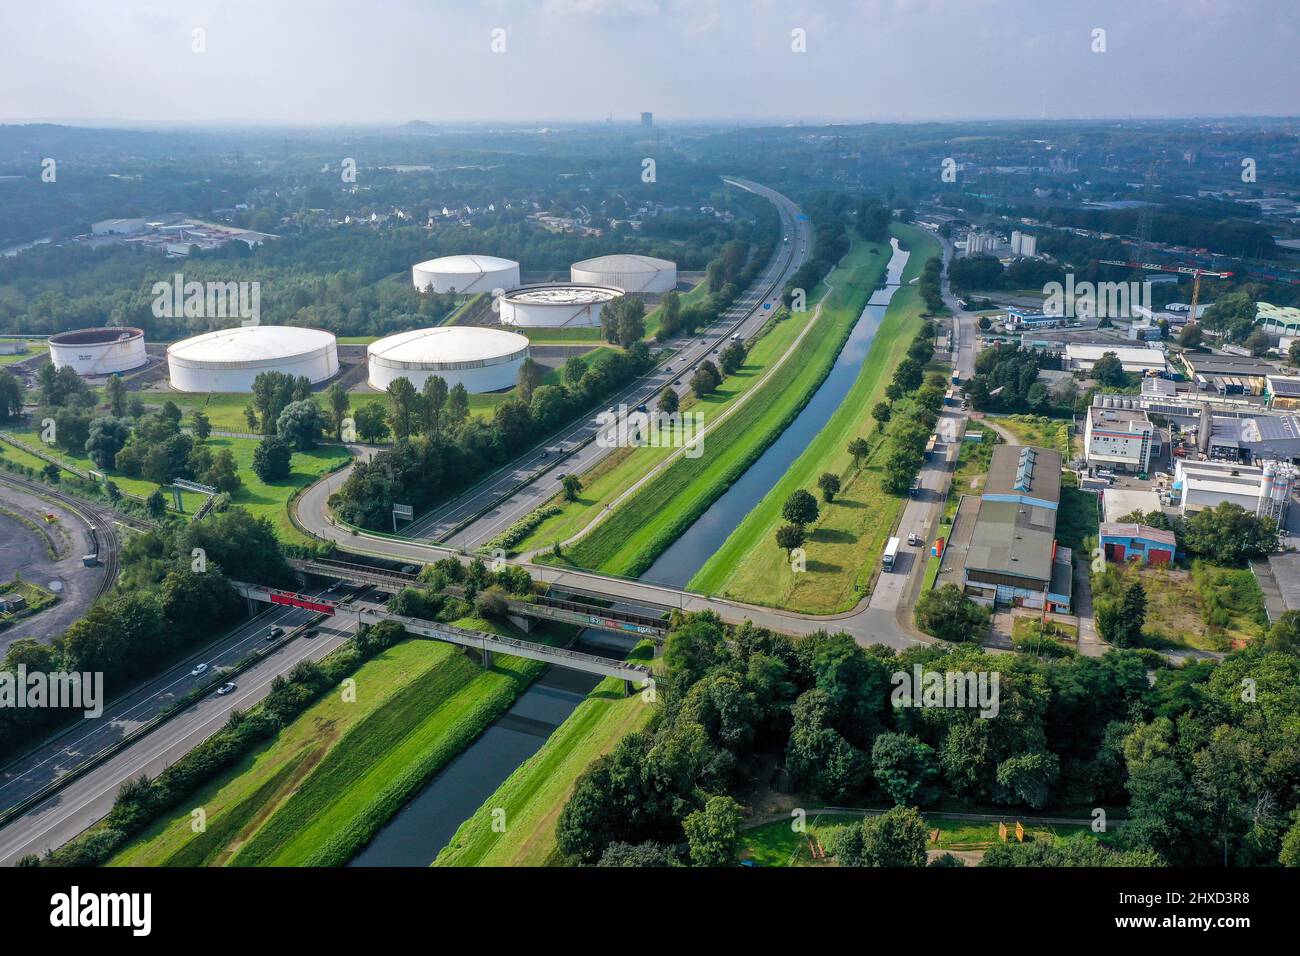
pixel 384 61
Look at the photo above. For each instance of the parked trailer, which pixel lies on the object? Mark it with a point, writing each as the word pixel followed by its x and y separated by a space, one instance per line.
pixel 891 552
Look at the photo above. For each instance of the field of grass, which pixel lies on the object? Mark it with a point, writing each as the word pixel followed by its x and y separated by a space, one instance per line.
pixel 34 349
pixel 843 544
pixel 533 796
pixel 317 793
pixel 259 497
pixel 1077 521
pixel 1210 608
pixel 777 844
pixel 1054 433
pixel 972 467
pixel 652 518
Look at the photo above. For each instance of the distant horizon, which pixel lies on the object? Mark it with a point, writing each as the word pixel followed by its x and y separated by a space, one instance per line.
pixel 332 63
pixel 632 120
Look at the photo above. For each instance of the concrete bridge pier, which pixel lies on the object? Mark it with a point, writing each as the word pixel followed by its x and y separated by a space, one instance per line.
pixel 487 658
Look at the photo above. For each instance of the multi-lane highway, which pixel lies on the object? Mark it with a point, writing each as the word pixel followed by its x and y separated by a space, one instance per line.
pixel 482 513
pixel 65 813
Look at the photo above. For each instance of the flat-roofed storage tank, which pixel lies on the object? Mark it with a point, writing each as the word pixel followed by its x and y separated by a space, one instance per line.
pixel 229 360
pixel 465 274
pixel 555 305
pixel 102 351
pixel 633 274
pixel 483 360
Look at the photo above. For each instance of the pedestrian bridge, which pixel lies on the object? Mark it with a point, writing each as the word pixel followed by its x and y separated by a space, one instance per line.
pixel 543 607
pixel 633 675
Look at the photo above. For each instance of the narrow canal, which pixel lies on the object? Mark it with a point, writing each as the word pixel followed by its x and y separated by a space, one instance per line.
pixel 415 835
pixel 685 556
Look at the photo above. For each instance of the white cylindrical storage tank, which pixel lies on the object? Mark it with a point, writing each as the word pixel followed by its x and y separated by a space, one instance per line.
pixel 483 360
pixel 632 274
pixel 99 351
pixel 229 360
pixel 465 274
pixel 553 305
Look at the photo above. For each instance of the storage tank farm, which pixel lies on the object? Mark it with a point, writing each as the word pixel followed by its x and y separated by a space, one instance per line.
pixel 102 351
pixel 634 274
pixel 465 275
pixel 481 359
pixel 229 360
pixel 555 305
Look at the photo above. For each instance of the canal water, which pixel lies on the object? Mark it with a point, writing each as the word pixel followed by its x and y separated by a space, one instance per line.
pixel 420 829
pixel 415 835
pixel 685 556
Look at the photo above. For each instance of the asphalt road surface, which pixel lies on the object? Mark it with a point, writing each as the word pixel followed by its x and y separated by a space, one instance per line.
pixel 85 800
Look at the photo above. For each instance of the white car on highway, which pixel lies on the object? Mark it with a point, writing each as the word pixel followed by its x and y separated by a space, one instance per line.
pixel 201 669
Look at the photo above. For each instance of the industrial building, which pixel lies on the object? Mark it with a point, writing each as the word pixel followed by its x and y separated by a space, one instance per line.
pixel 629 273
pixel 548 305
pixel 1119 437
pixel 118 227
pixel 104 351
pixel 1003 548
pixel 1023 244
pixel 1027 319
pixel 466 275
pixel 1262 490
pixel 1282 391
pixel 981 243
pixel 1137 542
pixel 1277 319
pixel 1227 374
pixel 483 360
pixel 229 360
pixel 1140 359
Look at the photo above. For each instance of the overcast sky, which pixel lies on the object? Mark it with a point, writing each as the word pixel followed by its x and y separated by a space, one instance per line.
pixel 382 61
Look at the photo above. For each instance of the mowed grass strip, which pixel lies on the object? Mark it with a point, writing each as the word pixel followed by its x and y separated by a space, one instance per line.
pixel 385 760
pixel 537 791
pixel 621 469
pixel 238 800
pixel 656 515
pixel 852 529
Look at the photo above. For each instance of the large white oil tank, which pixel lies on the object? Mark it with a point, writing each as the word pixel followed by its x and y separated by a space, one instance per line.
pixel 229 360
pixel 465 274
pixel 99 351
pixel 633 274
pixel 548 305
pixel 483 360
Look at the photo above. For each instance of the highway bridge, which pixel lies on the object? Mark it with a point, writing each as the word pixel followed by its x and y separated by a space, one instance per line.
pixel 543 607
pixel 633 675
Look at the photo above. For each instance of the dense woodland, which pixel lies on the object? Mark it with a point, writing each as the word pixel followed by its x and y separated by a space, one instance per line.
pixel 1205 774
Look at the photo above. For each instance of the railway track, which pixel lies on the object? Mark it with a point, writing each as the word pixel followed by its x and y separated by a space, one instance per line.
pixel 102 535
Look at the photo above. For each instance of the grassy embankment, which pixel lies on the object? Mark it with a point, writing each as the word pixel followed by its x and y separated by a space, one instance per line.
pixel 317 792
pixel 533 796
pixel 259 497
pixel 621 469
pixel 851 531
pixel 657 513
pixel 777 844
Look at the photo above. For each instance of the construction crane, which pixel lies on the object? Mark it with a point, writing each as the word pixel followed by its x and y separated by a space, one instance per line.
pixel 1194 271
